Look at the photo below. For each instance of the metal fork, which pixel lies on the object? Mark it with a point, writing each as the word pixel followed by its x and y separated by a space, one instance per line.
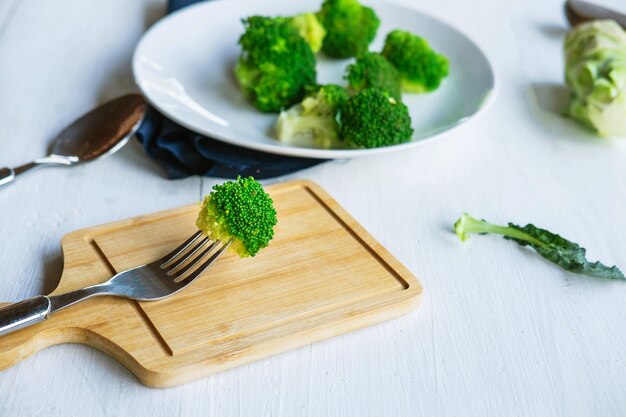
pixel 150 282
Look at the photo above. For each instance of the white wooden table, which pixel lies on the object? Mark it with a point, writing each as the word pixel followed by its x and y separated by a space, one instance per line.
pixel 500 333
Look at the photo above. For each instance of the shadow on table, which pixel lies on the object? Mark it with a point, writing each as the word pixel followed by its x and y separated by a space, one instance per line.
pixel 552 30
pixel 133 155
pixel 548 105
pixel 52 270
pixel 121 81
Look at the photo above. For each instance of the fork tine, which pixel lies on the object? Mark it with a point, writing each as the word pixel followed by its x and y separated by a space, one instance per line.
pixel 206 264
pixel 173 254
pixel 184 256
pixel 194 261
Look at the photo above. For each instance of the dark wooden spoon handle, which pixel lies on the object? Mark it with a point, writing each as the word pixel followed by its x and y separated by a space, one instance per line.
pixel 578 11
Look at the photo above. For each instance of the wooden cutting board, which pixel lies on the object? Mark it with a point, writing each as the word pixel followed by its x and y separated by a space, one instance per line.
pixel 321 276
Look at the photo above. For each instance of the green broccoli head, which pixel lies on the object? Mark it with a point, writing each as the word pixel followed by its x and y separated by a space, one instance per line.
pixel 275 64
pixel 313 122
pixel 240 210
pixel 595 69
pixel 310 28
pixel 372 118
pixel 350 27
pixel 326 99
pixel 372 70
pixel 421 68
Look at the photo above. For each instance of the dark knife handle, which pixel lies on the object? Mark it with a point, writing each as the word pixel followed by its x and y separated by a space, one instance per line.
pixel 578 11
pixel 6 175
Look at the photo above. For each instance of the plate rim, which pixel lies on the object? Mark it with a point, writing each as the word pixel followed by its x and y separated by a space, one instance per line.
pixel 318 153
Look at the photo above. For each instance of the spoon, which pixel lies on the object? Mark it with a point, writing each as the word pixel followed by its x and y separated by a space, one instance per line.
pixel 98 133
pixel 578 11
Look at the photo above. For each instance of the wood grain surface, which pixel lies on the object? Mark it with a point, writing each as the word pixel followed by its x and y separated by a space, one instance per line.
pixel 321 276
pixel 500 332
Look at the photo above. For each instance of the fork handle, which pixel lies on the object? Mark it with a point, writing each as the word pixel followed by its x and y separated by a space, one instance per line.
pixel 24 313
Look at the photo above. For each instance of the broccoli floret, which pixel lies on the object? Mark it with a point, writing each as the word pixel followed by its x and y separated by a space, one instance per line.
pixel 421 68
pixel 310 28
pixel 313 122
pixel 372 118
pixel 275 64
pixel 372 70
pixel 350 27
pixel 240 210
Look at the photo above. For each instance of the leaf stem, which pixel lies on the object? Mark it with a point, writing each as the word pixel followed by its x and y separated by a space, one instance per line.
pixel 468 224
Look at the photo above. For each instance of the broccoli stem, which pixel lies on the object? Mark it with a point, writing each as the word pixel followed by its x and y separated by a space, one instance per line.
pixel 468 224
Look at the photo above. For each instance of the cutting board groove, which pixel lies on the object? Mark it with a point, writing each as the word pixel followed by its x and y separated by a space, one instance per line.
pixel 358 238
pixel 321 276
pixel 154 332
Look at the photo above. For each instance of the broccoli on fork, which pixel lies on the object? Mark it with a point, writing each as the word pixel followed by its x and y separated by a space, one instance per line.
pixel 313 122
pixel 350 27
pixel 240 210
pixel 275 65
pixel 421 68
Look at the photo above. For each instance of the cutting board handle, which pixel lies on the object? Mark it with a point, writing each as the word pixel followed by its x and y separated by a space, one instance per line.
pixel 23 314
pixel 37 330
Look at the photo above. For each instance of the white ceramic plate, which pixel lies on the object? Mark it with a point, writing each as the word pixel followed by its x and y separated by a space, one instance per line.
pixel 184 66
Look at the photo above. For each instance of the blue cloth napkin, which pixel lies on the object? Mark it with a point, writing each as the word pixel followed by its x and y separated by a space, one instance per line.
pixel 183 153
